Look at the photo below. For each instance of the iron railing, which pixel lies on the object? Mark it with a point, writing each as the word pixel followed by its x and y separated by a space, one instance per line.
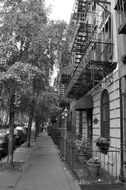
pixel 110 162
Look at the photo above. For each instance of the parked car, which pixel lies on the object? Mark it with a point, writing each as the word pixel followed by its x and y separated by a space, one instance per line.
pixel 3 144
pixel 17 137
pixel 22 133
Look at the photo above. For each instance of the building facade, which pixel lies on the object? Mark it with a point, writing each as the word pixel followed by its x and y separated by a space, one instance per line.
pixel 120 8
pixel 96 77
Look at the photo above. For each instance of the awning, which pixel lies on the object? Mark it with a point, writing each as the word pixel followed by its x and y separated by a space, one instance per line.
pixel 84 102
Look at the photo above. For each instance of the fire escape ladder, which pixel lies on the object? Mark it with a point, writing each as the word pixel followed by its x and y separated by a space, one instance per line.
pixel 63 102
pixel 81 33
pixel 64 79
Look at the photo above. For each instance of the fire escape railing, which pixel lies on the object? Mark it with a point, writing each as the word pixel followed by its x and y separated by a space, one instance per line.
pixel 63 102
pixel 65 76
pixel 64 79
pixel 93 67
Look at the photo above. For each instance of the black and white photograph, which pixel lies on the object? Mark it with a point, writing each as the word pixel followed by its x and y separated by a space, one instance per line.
pixel 62 94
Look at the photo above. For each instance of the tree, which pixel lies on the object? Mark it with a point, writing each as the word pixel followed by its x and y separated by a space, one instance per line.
pixel 22 22
pixel 28 44
pixel 13 80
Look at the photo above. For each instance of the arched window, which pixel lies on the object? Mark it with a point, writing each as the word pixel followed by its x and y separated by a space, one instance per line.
pixel 105 114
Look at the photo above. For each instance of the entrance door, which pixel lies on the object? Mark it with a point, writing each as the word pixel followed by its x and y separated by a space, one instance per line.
pixel 89 124
pixel 80 122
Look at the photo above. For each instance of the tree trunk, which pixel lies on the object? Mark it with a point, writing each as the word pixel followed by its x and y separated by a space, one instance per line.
pixel 11 131
pixel 30 123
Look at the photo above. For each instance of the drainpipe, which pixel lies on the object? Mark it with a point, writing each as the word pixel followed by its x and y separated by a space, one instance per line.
pixel 121 133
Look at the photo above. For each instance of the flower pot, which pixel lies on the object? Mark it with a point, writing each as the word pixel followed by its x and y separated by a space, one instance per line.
pixel 103 144
pixel 81 159
pixel 104 149
pixel 93 170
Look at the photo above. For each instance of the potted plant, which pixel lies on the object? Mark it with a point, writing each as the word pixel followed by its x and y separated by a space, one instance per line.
pixel 103 144
pixel 84 149
pixel 93 167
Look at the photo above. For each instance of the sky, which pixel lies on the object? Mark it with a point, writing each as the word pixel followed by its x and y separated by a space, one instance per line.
pixel 61 9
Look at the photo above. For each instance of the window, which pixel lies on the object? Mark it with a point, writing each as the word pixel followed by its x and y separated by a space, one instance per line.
pixel 94 7
pixel 105 114
pixel 106 36
pixel 121 8
pixel 107 30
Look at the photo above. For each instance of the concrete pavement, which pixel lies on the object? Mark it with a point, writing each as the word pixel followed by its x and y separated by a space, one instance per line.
pixel 38 168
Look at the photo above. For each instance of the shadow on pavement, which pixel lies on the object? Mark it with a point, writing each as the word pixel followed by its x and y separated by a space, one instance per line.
pixel 103 186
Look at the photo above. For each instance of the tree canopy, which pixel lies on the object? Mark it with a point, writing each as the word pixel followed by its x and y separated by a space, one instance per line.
pixel 29 43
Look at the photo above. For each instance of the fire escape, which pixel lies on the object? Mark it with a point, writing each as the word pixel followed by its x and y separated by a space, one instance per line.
pixel 93 53
pixel 64 78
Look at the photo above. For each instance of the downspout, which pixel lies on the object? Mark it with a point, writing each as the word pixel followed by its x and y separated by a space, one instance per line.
pixel 121 133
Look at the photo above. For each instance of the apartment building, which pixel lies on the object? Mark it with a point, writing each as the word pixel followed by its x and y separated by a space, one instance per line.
pixel 95 77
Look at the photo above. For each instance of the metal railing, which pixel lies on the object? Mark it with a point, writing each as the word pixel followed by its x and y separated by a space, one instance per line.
pixel 110 162
pixel 94 51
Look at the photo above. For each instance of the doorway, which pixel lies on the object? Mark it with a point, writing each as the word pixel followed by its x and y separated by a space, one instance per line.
pixel 89 124
pixel 80 123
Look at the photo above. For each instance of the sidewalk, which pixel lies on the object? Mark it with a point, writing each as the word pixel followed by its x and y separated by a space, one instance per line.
pixel 39 168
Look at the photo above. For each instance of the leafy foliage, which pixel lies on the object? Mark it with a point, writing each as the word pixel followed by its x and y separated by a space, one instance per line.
pixel 27 37
pixel 47 103
pixel 28 47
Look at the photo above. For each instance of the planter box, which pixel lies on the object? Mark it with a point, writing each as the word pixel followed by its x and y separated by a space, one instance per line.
pixel 93 170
